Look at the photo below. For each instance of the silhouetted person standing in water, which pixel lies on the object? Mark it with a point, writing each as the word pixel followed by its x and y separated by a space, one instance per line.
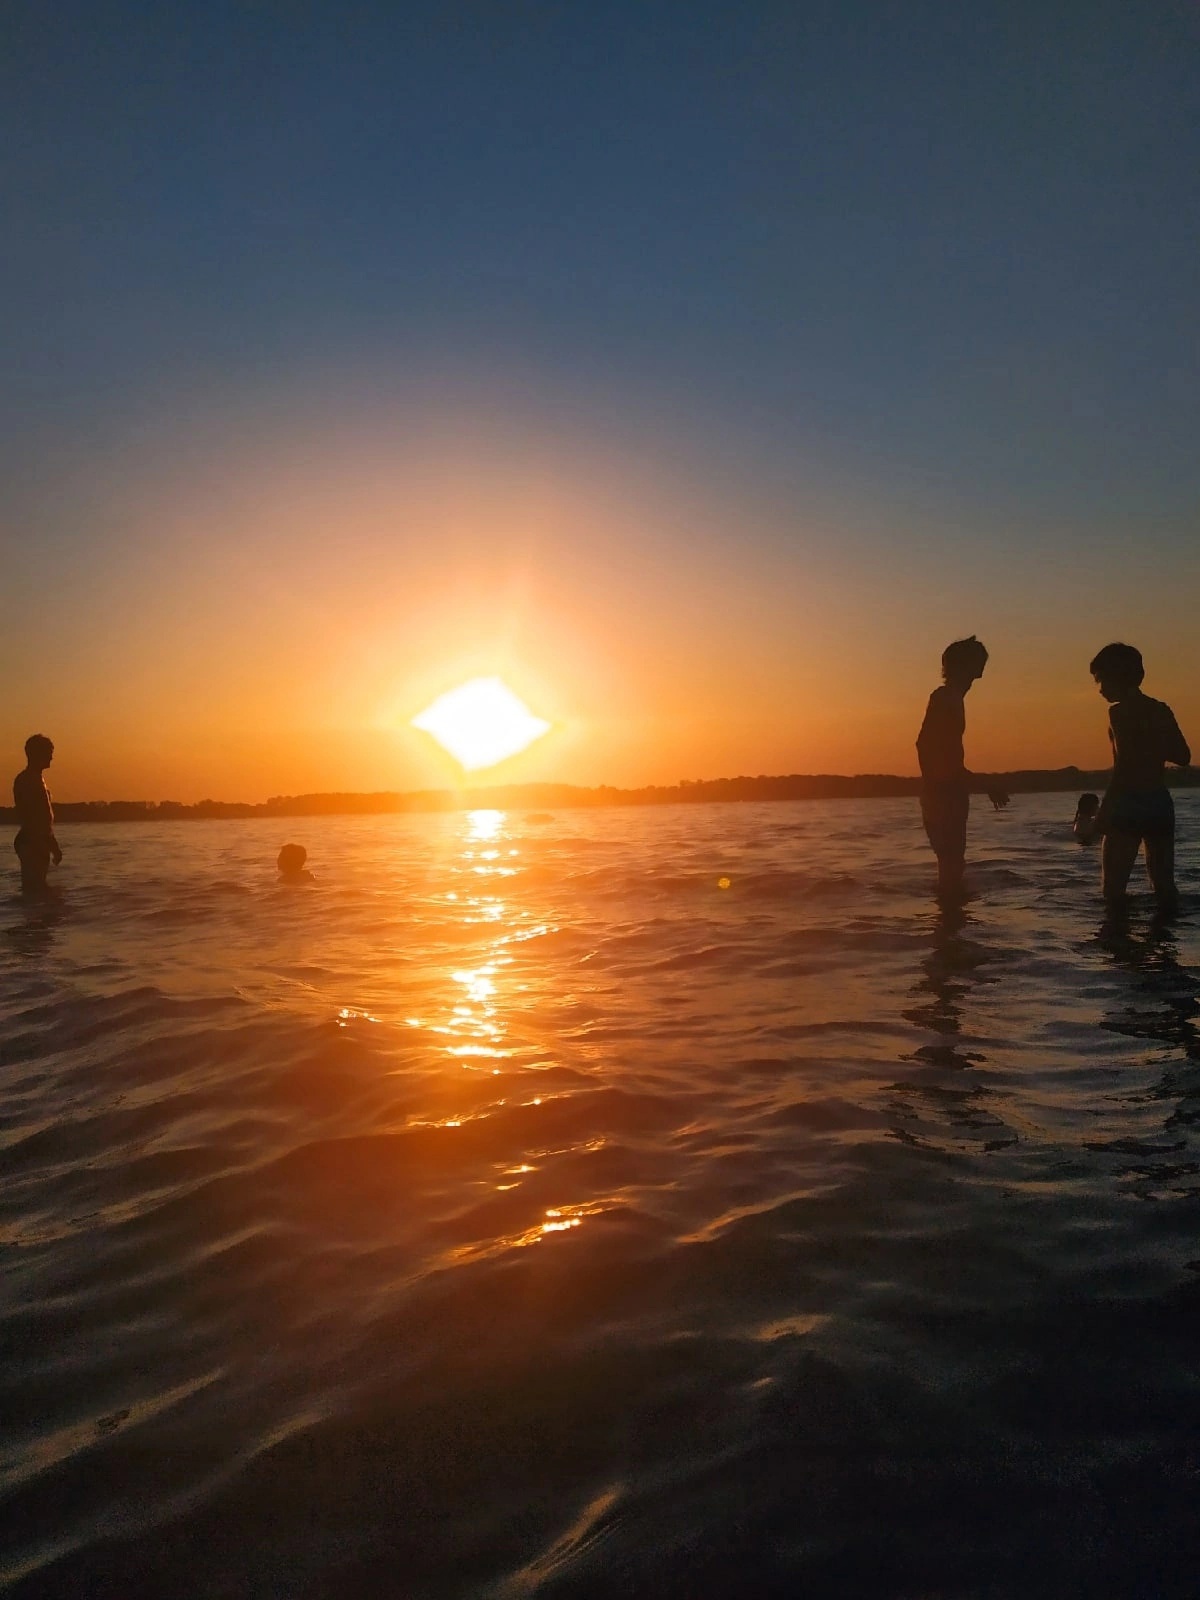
pixel 35 843
pixel 945 782
pixel 1137 808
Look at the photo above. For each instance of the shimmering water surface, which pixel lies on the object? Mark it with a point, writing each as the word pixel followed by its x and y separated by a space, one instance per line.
pixel 524 1209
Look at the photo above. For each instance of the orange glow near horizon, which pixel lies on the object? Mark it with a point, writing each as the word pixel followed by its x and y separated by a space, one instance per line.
pixel 481 723
pixel 601 584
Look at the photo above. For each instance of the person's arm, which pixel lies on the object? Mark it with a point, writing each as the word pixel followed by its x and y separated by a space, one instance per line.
pixel 55 852
pixel 1116 783
pixel 21 799
pixel 1175 746
pixel 35 814
pixel 931 740
pixel 940 752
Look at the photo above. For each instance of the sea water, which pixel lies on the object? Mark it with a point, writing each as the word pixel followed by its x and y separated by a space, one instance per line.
pixel 659 1202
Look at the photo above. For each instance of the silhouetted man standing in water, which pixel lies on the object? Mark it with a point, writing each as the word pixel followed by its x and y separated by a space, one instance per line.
pixel 35 843
pixel 945 781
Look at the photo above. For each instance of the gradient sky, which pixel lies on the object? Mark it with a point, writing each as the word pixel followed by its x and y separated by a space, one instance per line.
pixel 701 369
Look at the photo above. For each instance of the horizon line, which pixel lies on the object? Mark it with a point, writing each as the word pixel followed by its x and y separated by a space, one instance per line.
pixel 516 796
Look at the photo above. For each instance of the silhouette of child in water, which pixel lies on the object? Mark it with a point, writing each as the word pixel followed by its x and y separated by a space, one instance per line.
pixel 35 843
pixel 946 783
pixel 1137 809
pixel 291 866
pixel 1086 814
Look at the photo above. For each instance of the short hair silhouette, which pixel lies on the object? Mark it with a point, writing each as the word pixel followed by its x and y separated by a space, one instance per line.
pixel 963 654
pixel 292 858
pixel 36 745
pixel 1119 661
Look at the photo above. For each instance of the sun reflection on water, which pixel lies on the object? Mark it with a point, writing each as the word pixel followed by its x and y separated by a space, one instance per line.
pixel 479 985
pixel 483 825
pixel 483 1021
pixel 473 1024
pixel 559 1219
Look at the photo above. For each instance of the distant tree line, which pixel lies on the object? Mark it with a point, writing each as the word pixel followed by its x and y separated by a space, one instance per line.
pixel 549 796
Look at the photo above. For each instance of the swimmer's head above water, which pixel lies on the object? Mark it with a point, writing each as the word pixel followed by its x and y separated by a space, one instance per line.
pixel 1087 814
pixel 291 861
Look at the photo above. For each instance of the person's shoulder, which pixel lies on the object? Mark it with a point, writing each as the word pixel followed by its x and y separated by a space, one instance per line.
pixel 1139 710
pixel 1163 719
pixel 1157 708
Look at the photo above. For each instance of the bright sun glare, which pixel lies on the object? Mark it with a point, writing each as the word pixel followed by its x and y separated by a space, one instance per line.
pixel 481 723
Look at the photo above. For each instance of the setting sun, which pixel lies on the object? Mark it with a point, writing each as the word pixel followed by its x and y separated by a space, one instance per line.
pixel 481 723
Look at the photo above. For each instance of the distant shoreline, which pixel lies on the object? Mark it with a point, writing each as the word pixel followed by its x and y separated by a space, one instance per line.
pixel 562 796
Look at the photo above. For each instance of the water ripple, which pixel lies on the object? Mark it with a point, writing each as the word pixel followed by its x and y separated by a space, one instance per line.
pixel 655 1202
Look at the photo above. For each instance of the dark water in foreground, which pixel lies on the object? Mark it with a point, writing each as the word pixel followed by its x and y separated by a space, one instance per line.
pixel 517 1212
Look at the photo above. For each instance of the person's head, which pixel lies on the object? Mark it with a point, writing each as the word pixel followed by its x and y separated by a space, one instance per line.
pixel 291 859
pixel 39 751
pixel 1088 803
pixel 963 662
pixel 1118 670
